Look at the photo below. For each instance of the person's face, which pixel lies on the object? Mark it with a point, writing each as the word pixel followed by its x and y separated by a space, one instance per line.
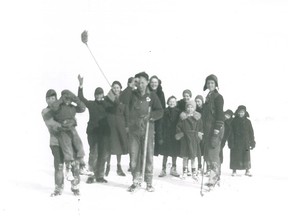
pixel 51 100
pixel 142 84
pixel 172 102
pixel 190 109
pixel 154 83
pixel 198 102
pixel 186 97
pixel 132 84
pixel 211 85
pixel 116 89
pixel 136 82
pixel 99 97
pixel 67 100
pixel 241 113
pixel 227 116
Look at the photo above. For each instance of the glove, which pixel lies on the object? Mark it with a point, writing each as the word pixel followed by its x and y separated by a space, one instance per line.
pixel 178 136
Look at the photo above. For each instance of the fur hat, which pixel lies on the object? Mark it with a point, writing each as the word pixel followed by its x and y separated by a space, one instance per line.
pixel 171 97
pixel 228 112
pixel 50 93
pixel 211 77
pixel 200 97
pixel 117 83
pixel 98 91
pixel 187 91
pixel 142 74
pixel 242 107
pixel 191 103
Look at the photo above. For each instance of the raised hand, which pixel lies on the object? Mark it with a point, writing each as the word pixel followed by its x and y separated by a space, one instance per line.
pixel 80 79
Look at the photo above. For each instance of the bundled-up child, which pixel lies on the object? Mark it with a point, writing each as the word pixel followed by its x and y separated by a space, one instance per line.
pixel 199 107
pixel 69 140
pixel 189 131
pixel 170 146
pixel 241 141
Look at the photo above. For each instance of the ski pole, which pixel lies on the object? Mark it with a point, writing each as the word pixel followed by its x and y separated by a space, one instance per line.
pixel 146 145
pixel 84 39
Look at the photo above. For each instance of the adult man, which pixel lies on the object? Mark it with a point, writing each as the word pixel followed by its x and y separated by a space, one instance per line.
pixel 141 100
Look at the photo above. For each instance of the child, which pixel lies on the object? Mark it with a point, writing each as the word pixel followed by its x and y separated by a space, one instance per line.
pixel 189 132
pixel 64 113
pixel 170 146
pixel 199 107
pixel 241 141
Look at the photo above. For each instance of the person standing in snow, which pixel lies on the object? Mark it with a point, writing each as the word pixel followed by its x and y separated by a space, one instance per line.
pixel 213 128
pixel 241 141
pixel 55 128
pixel 141 100
pixel 189 131
pixel 97 133
pixel 117 116
pixel 170 146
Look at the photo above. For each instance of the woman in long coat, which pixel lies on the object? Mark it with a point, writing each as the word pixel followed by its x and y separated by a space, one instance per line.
pixel 213 127
pixel 117 116
pixel 241 141
pixel 155 85
pixel 170 147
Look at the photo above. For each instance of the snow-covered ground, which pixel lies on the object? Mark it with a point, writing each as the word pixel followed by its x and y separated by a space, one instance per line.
pixel 28 181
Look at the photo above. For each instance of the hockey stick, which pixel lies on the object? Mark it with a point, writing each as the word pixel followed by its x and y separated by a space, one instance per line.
pixel 146 144
pixel 84 39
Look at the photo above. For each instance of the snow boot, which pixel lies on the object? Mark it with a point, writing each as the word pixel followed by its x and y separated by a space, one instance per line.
pixel 120 171
pixel 91 179
pixel 76 192
pixel 57 191
pixel 150 188
pixel 163 173
pixel 107 170
pixel 174 172
pixel 101 180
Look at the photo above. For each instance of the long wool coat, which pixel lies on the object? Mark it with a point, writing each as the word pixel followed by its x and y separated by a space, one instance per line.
pixel 158 138
pixel 213 119
pixel 117 117
pixel 170 146
pixel 189 143
pixel 240 141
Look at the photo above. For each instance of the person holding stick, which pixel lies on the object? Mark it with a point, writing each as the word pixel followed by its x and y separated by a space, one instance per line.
pixel 145 108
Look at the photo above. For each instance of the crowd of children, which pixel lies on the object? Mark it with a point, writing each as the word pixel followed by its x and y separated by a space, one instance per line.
pixel 189 129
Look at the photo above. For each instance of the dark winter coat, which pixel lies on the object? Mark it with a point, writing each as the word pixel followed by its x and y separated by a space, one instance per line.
pixel 97 123
pixel 213 119
pixel 170 146
pixel 189 143
pixel 117 116
pixel 138 112
pixel 159 123
pixel 125 96
pixel 240 141
pixel 181 104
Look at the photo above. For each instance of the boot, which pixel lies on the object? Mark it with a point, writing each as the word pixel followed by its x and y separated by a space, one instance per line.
pixel 107 170
pixel 101 180
pixel 163 173
pixel 133 187
pixel 234 173
pixel 174 172
pixel 248 173
pixel 185 171
pixel 76 192
pixel 120 171
pixel 150 188
pixel 90 179
pixel 57 191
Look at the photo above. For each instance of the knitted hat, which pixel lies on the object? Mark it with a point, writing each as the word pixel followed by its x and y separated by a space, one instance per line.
pixel 98 91
pixel 50 93
pixel 200 97
pixel 117 83
pixel 171 97
pixel 191 103
pixel 211 77
pixel 142 74
pixel 187 91
pixel 229 112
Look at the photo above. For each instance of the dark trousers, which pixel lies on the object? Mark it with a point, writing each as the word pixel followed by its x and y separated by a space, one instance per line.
pixel 136 152
pixel 98 153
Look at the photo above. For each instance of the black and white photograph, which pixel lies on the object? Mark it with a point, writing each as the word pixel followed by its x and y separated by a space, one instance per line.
pixel 144 107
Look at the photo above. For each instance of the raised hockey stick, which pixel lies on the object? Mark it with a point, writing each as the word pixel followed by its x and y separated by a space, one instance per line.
pixel 84 39
pixel 145 145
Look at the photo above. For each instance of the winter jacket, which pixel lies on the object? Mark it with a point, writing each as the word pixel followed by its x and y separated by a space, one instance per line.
pixel 97 122
pixel 125 96
pixel 52 125
pixel 227 131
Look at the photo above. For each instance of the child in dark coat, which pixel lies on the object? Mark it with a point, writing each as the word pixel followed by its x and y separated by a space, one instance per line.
pixel 241 141
pixel 189 131
pixel 199 107
pixel 170 146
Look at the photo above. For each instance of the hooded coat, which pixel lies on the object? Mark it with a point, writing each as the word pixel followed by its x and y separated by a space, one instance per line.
pixel 170 146
pixel 241 140
pixel 189 143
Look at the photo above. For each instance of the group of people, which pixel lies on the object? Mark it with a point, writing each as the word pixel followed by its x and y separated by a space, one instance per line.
pixel 137 122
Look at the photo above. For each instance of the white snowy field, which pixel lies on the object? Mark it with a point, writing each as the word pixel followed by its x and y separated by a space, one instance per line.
pixel 244 43
pixel 27 182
